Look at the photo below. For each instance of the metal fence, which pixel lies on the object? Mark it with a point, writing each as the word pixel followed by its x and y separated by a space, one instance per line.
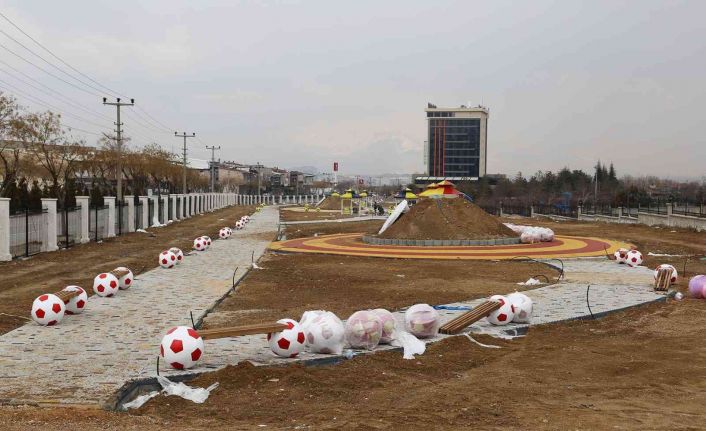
pixel 521 210
pixel 150 212
pixel 654 207
pixel 687 209
pixel 121 218
pixel 558 210
pixel 68 226
pixel 26 232
pixel 138 216
pixel 97 220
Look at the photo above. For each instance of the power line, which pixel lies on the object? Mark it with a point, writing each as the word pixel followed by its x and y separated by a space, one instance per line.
pixel 169 129
pixel 57 57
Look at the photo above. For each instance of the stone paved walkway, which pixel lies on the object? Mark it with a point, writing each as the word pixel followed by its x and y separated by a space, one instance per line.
pixel 86 358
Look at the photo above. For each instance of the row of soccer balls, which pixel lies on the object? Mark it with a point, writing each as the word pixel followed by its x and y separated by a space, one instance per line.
pixel 323 332
pixel 49 309
pixel 634 258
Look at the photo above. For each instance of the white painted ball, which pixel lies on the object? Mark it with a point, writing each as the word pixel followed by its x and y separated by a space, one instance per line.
pixel 125 281
pixel 324 332
pixel 48 310
pixel 167 259
pixel 106 284
pixel 178 253
pixel 634 258
pixel 288 342
pixel 621 255
pixel 200 244
pixel 207 240
pixel 223 233
pixel 182 347
pixel 675 275
pixel 77 304
pixel 504 314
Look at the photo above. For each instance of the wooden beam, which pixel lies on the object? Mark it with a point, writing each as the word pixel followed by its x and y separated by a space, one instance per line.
pixel 236 331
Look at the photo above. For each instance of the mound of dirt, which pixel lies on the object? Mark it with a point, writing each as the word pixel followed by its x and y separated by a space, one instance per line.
pixel 447 219
pixel 331 203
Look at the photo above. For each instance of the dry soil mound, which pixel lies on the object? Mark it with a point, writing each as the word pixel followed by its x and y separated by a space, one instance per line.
pixel 447 219
pixel 331 203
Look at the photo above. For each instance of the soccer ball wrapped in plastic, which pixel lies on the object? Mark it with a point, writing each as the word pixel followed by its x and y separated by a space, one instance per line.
pixel 504 314
pixel 522 306
pixel 363 330
pixel 288 342
pixel 697 286
pixel 48 310
pixel 422 320
pixel 223 233
pixel 178 253
pixel 634 258
pixel 200 244
pixel 125 280
pixel 181 347
pixel 324 332
pixel 675 275
pixel 621 256
pixel 167 259
pixel 106 284
pixel 388 325
pixel 76 304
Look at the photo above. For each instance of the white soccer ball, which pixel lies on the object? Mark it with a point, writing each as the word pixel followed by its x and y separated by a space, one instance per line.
pixel 522 307
pixel 223 233
pixel 200 244
pixel 178 253
pixel 634 258
pixel 106 284
pixel 504 314
pixel 239 224
pixel 207 240
pixel 76 304
pixel 621 256
pixel 246 219
pixel 48 310
pixel 230 231
pixel 125 281
pixel 288 342
pixel 675 275
pixel 324 332
pixel 181 347
pixel 167 259
pixel 422 321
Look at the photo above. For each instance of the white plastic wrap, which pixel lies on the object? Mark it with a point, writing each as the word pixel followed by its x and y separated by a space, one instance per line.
pixel 422 321
pixel 324 331
pixel 522 307
pixel 388 325
pixel 532 234
pixel 363 330
pixel 197 395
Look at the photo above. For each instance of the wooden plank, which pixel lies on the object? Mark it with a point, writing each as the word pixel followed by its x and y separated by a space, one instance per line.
pixel 236 331
pixel 466 319
pixel 65 295
pixel 664 279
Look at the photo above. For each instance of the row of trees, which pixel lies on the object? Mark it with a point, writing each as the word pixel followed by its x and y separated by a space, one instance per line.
pixel 569 187
pixel 39 158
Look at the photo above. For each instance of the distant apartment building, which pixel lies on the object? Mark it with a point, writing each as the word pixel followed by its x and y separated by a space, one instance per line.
pixel 456 146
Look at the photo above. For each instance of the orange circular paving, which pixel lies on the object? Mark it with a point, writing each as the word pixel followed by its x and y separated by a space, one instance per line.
pixel 351 244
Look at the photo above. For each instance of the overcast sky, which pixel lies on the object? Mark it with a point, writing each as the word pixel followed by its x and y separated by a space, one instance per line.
pixel 309 83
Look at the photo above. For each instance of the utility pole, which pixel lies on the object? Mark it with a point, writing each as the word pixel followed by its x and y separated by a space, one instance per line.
pixel 119 169
pixel 213 165
pixel 184 135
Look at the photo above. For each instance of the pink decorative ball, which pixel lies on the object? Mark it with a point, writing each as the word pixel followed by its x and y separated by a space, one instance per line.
pixel 697 286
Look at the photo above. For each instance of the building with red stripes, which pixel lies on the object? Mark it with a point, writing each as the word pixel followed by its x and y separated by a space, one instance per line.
pixel 456 146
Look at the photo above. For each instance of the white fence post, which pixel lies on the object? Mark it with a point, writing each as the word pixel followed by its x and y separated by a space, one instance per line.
pixel 5 254
pixel 130 213
pixel 145 202
pixel 83 202
pixel 49 237
pixel 172 205
pixel 165 209
pixel 110 220
pixel 155 213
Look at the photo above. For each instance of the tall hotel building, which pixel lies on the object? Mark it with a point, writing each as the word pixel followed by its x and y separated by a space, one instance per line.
pixel 456 148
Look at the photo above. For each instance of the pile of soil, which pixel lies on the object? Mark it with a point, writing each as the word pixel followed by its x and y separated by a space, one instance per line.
pixel 447 219
pixel 331 203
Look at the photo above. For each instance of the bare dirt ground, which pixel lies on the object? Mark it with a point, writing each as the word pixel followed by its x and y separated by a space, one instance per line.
pixel 21 281
pixel 637 369
pixel 288 285
pixel 307 230
pixel 288 215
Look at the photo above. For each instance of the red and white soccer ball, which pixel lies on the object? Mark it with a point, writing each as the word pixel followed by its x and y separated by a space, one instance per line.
pixel 504 314
pixel 289 342
pixel 167 259
pixel 181 347
pixel 106 284
pixel 245 219
pixel 239 224
pixel 634 258
pixel 125 281
pixel 224 233
pixel 200 244
pixel 77 304
pixel 178 253
pixel 522 307
pixel 207 240
pixel 621 256
pixel 48 310
pixel 675 275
